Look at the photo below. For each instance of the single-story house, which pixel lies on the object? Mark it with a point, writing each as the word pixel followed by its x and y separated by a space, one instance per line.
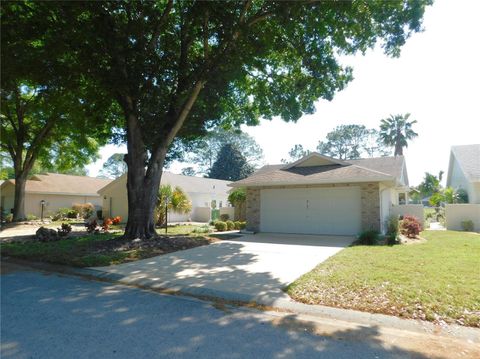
pixel 204 193
pixel 56 190
pixel 322 195
pixel 464 170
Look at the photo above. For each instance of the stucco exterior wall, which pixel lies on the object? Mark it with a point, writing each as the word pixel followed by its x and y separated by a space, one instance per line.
pixel 455 214
pixel 53 201
pixel 415 210
pixel 370 199
pixel 115 203
pixel 458 180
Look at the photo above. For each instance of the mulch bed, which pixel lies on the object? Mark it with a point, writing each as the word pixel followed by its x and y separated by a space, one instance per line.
pixel 159 245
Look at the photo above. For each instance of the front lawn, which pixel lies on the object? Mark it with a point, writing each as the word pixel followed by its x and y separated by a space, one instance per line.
pixel 100 249
pixel 436 280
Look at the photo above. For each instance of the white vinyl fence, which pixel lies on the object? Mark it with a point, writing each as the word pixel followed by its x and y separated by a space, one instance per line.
pixel 455 214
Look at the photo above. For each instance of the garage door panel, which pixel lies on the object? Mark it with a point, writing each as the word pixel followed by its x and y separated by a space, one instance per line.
pixel 311 210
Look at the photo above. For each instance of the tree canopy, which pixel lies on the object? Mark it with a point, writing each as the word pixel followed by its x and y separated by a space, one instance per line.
pixel 206 149
pixel 295 153
pixel 230 165
pixel 348 142
pixel 179 68
pixel 396 131
pixel 114 166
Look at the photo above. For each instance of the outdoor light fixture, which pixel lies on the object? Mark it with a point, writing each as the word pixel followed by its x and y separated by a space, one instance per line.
pixel 42 203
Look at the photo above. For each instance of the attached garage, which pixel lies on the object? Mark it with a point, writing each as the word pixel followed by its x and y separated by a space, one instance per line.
pixel 329 210
pixel 323 195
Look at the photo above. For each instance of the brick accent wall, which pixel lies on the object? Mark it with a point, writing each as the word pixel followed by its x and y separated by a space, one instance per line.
pixel 370 199
pixel 370 193
pixel 253 209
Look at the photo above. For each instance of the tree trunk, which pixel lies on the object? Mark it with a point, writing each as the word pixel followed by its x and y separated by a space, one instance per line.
pixel 19 201
pixel 398 150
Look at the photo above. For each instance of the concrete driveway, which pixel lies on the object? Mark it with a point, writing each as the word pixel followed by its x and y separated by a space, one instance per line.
pixel 252 268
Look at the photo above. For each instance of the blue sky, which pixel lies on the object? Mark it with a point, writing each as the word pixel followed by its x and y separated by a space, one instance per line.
pixel 436 79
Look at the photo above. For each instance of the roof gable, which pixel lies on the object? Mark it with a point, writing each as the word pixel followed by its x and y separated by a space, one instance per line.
pixel 314 159
pixel 468 159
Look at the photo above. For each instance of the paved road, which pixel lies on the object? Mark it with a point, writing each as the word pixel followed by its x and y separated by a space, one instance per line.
pixel 50 316
pixel 252 268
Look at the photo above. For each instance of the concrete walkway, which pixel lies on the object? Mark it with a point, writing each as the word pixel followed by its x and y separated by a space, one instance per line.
pixel 252 268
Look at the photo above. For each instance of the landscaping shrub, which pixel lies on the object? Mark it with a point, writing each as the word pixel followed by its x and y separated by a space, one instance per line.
pixel 224 217
pixel 9 218
pixel 72 213
pixel 237 224
pixel 202 229
pixel 220 226
pixel 212 222
pixel 243 225
pixel 410 227
pixel 368 238
pixel 116 220
pixel 467 226
pixel 64 230
pixel 392 230
pixel 85 210
pixel 31 217
pixel 91 226
pixel 107 222
pixel 230 225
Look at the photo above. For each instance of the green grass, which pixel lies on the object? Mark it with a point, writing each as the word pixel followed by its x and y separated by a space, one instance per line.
pixel 75 251
pixel 179 230
pixel 436 280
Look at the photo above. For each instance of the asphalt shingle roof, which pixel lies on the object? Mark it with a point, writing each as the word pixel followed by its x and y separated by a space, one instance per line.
pixel 374 169
pixel 65 184
pixel 468 156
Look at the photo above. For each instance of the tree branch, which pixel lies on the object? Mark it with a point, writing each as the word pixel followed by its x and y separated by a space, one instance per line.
pixel 32 151
pixel 158 28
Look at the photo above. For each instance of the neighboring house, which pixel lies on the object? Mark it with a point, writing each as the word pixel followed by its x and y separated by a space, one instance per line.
pixel 464 170
pixel 204 193
pixel 322 195
pixel 57 190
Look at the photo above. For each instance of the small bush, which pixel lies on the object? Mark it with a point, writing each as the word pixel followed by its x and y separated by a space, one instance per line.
pixel 220 226
pixel 31 217
pixel 410 226
pixel 237 224
pixel 84 210
pixel 116 220
pixel 91 226
pixel 202 229
pixel 72 213
pixel 243 225
pixel 230 225
pixel 9 218
pixel 392 230
pixel 107 222
pixel 64 230
pixel 467 226
pixel 224 217
pixel 368 238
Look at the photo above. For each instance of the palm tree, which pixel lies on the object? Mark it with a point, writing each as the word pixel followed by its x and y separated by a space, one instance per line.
pixel 175 200
pixel 396 130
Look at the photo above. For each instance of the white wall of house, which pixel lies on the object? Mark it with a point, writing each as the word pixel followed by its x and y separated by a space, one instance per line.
pixel 115 203
pixel 53 201
pixel 459 180
pixel 455 214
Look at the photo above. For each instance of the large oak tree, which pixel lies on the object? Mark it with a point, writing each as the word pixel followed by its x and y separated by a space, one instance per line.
pixel 179 68
pixel 50 118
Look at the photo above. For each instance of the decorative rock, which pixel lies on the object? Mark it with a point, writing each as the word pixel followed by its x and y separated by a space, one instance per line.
pixel 46 234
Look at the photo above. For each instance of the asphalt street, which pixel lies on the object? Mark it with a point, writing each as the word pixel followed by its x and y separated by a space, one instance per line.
pixel 52 316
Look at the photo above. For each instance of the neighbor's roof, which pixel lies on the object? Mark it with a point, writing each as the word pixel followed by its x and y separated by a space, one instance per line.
pixel 362 170
pixel 468 157
pixel 54 183
pixel 189 184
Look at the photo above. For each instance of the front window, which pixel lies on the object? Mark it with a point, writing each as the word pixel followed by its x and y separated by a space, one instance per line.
pixel 402 198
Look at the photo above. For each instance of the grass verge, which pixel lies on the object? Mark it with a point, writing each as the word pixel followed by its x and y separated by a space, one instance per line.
pixel 438 280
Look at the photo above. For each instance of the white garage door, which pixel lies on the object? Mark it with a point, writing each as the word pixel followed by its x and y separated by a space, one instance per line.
pixel 334 211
